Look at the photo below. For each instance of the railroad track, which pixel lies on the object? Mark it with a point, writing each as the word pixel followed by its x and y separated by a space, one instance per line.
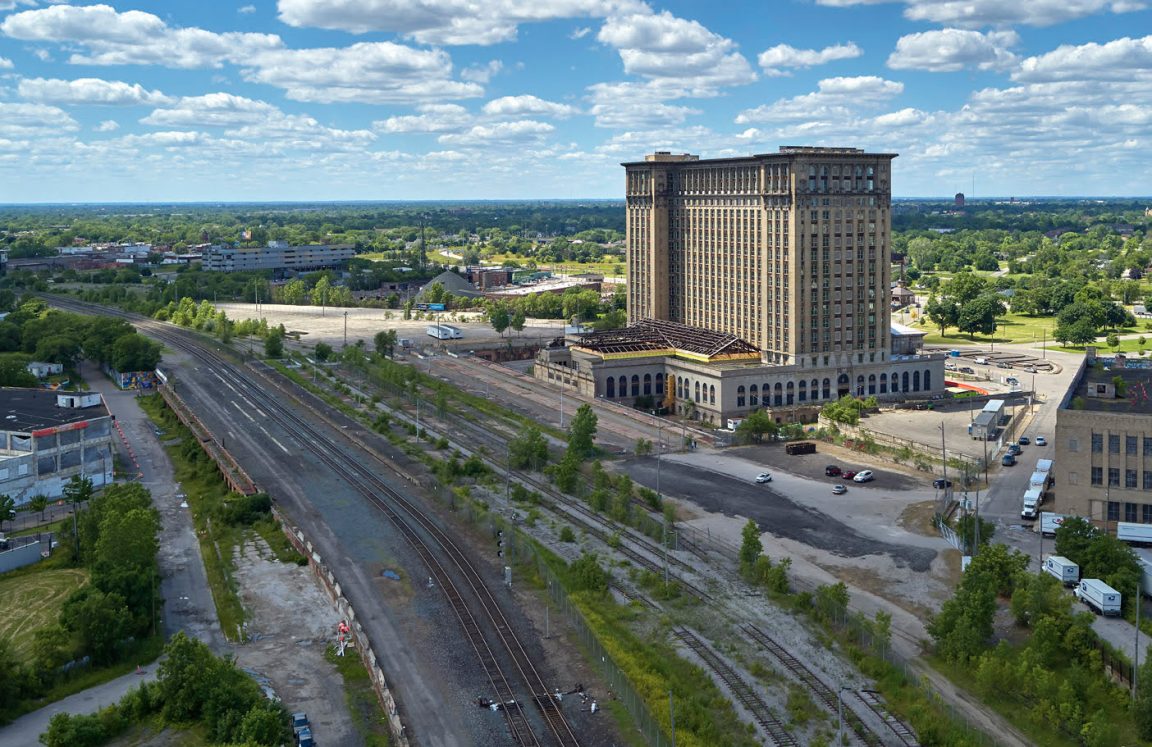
pixel 428 540
pixel 902 731
pixel 740 689
pixel 823 692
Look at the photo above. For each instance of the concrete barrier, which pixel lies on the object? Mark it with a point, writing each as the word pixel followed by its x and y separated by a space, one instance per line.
pixel 18 557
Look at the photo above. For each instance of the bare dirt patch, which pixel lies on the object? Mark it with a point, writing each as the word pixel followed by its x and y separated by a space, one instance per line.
pixel 918 518
pixel 290 623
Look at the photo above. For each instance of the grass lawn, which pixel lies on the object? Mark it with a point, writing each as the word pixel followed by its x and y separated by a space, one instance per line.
pixel 32 600
pixel 367 714
pixel 1014 328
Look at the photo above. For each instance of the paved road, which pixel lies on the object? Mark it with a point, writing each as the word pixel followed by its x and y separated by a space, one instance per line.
pixel 26 730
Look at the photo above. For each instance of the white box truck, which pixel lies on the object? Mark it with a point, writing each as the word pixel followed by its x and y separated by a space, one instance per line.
pixel 1138 533
pixel 1099 596
pixel 1050 522
pixel 1038 481
pixel 1032 500
pixel 1067 572
pixel 1045 466
pixel 1145 558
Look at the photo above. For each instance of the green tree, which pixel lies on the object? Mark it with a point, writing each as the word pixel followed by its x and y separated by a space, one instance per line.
pixel 528 450
pixel 750 547
pixel 135 352
pixel 586 574
pixel 38 504
pixel 321 291
pixel 273 344
pixel 323 351
pixel 101 620
pixel 499 317
pixel 1142 706
pixel 582 432
pixel 965 287
pixel 966 529
pixel 294 292
pixel 1073 537
pixel 943 312
pixel 7 507
pixel 1113 340
pixel 186 676
pixel 264 724
pixel 385 342
pixel 14 371
pixel 979 314
pixel 753 428
pixel 52 648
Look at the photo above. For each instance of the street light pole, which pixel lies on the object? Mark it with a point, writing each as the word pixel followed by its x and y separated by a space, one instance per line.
pixel 561 405
pixel 345 329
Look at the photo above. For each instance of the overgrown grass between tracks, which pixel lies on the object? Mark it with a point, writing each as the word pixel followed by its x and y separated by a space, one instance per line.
pixel 207 493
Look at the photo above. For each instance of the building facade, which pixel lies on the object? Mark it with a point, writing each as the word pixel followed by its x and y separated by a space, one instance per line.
pixel 47 438
pixel 1103 466
pixel 278 255
pixel 789 251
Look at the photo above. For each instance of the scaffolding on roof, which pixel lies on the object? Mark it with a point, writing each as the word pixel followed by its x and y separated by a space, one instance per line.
pixel 661 337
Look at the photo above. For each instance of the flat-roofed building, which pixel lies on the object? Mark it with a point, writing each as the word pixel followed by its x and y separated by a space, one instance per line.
pixel 1103 465
pixel 278 255
pixel 46 438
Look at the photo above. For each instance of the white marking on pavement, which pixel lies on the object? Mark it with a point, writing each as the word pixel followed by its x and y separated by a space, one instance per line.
pixel 269 435
pixel 242 410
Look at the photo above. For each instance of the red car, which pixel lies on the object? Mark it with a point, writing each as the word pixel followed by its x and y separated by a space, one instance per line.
pixel 848 474
pixel 832 470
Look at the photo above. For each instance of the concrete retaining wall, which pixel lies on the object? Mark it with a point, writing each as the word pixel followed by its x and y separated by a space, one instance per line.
pixel 19 557
pixel 331 585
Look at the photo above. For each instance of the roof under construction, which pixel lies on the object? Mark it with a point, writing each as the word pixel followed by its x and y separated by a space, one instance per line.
pixel 649 337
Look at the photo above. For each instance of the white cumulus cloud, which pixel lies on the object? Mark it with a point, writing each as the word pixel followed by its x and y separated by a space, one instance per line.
pixel 515 106
pixel 1120 59
pixel 6 64
pixel 786 56
pixel 88 91
pixel 440 21
pixel 949 50
pixel 21 120
pixel 979 13
pixel 211 110
pixel 108 125
pixel 665 46
pixel 500 132
pixel 432 118
pixel 834 99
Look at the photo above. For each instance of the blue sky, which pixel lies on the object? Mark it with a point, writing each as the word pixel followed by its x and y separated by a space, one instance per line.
pixel 149 100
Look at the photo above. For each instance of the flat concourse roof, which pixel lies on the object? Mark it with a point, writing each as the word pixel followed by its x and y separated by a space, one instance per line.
pixel 27 410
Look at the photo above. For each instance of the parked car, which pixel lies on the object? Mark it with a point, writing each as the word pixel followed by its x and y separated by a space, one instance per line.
pixel 1030 369
pixel 1024 441
pixel 1014 449
pixel 1008 460
pixel 940 483
pixel 1003 365
pixel 831 471
pixel 980 361
pixel 1041 441
pixel 848 474
pixel 967 370
pixel 864 475
pixel 764 477
pixel 839 490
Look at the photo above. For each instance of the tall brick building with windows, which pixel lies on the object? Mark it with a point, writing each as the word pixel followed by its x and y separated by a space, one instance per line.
pixel 788 252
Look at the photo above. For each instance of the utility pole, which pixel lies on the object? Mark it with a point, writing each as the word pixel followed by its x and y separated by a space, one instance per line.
pixel 944 460
pixel 672 717
pixel 345 329
pixel 1136 645
pixel 561 405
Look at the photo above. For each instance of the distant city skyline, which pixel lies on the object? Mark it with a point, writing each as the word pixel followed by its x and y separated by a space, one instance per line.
pixel 392 100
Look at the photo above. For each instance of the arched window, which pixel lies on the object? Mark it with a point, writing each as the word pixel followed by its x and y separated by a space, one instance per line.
pixel 895 382
pixel 611 393
pixel 623 386
pixel 647 383
pixel 697 391
pixel 883 383
pixel 904 382
pixel 915 381
pixel 927 381
pixel 803 394
pixel 777 395
pixel 712 394
pixel 790 396
pixel 635 385
pixel 827 392
pixel 860 385
pixel 740 396
pixel 659 383
pixel 816 390
pixel 753 396
pixel 871 383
